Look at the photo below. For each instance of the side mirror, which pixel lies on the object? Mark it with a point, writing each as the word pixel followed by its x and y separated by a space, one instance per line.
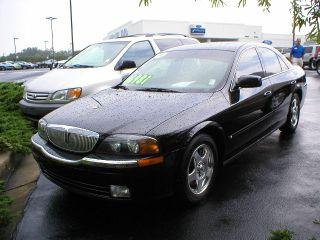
pixel 126 64
pixel 249 81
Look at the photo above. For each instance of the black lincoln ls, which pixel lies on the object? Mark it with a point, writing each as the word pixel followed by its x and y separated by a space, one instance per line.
pixel 170 126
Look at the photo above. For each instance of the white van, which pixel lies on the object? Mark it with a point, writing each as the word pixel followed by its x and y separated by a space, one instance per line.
pixel 97 67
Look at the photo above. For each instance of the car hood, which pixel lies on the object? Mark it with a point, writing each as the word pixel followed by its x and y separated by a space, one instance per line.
pixel 59 79
pixel 121 111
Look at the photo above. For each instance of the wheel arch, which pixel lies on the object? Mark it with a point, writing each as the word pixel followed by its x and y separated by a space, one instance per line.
pixel 214 130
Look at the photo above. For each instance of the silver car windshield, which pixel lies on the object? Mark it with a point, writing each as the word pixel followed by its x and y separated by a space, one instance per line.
pixel 182 71
pixel 96 55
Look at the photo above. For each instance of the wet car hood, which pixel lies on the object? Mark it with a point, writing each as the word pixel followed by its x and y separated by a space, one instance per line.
pixel 121 111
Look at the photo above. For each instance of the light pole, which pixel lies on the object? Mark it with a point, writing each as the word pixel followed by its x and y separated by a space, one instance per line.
pixel 51 19
pixel 71 25
pixel 15 47
pixel 45 45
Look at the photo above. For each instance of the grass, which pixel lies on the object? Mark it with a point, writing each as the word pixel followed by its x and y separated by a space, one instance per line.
pixel 283 234
pixel 279 234
pixel 5 202
pixel 15 129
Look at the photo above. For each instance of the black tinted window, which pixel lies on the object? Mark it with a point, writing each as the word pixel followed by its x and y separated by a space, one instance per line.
pixel 283 64
pixel 270 61
pixel 249 64
pixel 308 50
pixel 167 43
pixel 139 52
pixel 188 41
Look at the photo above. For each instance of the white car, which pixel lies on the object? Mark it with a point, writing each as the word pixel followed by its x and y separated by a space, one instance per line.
pixel 97 67
pixel 310 55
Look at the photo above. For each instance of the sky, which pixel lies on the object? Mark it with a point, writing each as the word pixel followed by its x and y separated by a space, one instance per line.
pixel 93 19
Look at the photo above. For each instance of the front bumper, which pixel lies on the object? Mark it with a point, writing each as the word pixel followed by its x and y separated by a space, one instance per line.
pixel 92 175
pixel 35 111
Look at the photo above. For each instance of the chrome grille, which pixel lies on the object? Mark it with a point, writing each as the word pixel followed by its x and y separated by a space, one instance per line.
pixel 33 96
pixel 71 138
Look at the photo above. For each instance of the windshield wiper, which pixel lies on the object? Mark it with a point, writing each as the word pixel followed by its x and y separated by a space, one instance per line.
pixel 81 66
pixel 121 87
pixel 153 89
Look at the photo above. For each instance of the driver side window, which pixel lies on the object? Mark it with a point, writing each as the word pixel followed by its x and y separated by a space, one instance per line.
pixel 249 64
pixel 139 52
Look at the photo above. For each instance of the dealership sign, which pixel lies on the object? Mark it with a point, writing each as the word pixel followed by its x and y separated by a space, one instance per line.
pixel 197 30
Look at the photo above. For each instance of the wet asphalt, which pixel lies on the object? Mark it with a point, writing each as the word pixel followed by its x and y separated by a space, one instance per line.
pixel 274 185
pixel 21 76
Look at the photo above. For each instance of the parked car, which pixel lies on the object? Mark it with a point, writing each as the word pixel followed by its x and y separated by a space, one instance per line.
pixel 316 61
pixel 170 126
pixel 6 66
pixel 25 65
pixel 310 54
pixel 97 67
pixel 16 65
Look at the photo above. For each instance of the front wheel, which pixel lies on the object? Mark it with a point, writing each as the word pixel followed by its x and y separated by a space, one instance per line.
pixel 198 170
pixel 293 117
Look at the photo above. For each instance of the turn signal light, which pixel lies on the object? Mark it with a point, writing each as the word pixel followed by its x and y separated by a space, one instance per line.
pixel 150 161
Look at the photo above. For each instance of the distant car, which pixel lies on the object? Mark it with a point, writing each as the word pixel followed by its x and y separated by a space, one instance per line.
pixel 97 67
pixel 172 124
pixel 61 62
pixel 25 65
pixel 310 55
pixel 16 65
pixel 6 66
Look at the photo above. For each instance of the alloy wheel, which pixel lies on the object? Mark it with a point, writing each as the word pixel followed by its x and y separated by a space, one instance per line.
pixel 200 169
pixel 294 112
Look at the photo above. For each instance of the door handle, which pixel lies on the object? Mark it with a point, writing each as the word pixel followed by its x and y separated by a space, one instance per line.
pixel 293 82
pixel 267 93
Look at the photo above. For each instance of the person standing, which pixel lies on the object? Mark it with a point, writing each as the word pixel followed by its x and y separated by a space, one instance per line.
pixel 297 53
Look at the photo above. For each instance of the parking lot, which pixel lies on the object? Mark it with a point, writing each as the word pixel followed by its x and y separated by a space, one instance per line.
pixel 274 185
pixel 21 75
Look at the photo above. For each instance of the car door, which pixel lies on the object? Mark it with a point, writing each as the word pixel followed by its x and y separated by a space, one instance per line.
pixel 247 118
pixel 282 82
pixel 139 52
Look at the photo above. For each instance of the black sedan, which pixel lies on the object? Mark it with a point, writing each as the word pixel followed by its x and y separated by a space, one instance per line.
pixel 170 126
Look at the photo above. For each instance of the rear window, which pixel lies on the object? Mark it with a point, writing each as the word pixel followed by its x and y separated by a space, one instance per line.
pixel 308 49
pixel 167 43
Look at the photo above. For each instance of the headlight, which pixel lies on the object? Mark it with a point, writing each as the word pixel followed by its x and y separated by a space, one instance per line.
pixel 123 144
pixel 66 94
pixel 42 129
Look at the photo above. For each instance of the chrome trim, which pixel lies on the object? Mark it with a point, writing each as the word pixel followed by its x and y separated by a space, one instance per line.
pixel 88 139
pixel 86 160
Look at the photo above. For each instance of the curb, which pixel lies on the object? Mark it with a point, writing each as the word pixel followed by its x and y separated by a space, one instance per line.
pixel 8 162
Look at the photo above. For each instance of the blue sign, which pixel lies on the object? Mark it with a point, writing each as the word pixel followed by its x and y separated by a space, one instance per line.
pixel 268 42
pixel 197 30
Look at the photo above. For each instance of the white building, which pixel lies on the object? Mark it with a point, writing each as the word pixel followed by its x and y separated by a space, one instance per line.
pixel 204 31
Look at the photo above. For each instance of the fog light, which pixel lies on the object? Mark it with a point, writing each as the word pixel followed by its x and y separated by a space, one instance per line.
pixel 119 191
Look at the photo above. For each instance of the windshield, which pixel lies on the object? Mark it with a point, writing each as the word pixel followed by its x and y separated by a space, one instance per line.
pixel 182 71
pixel 96 55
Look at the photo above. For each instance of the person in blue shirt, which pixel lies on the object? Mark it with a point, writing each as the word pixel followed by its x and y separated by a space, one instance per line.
pixel 297 53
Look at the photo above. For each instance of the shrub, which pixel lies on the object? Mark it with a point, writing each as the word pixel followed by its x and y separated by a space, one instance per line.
pixel 15 129
pixel 281 235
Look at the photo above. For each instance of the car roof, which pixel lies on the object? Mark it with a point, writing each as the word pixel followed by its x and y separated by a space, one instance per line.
pixel 225 46
pixel 142 37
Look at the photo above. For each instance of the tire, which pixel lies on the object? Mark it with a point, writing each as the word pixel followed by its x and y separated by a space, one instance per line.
pixel 310 65
pixel 318 67
pixel 293 116
pixel 197 173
